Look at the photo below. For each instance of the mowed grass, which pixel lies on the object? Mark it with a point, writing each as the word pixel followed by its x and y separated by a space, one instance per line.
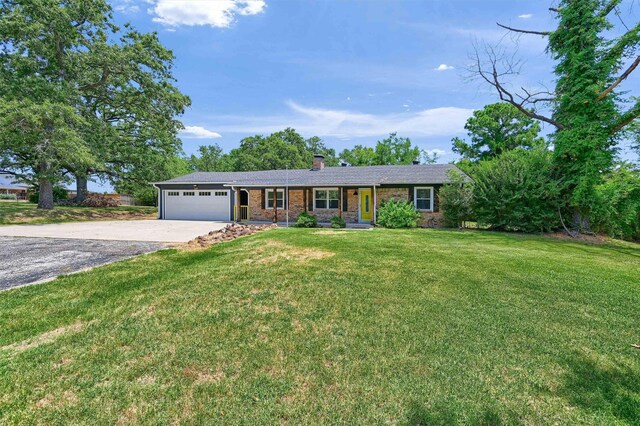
pixel 15 213
pixel 300 326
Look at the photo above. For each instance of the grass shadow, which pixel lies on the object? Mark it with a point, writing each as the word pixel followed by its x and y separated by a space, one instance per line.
pixel 445 414
pixel 613 388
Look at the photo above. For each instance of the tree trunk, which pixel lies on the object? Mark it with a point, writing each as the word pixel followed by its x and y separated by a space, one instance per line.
pixel 81 188
pixel 45 198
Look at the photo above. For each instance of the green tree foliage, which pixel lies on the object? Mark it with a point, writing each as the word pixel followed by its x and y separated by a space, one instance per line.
pixel 617 210
pixel 398 214
pixel 280 150
pixel 388 151
pixel 210 158
pixel 88 96
pixel 155 167
pixel 516 191
pixel 495 129
pixel 456 200
pixel 589 107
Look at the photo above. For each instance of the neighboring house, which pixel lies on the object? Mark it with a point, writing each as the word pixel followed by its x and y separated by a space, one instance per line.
pixel 353 193
pixel 9 186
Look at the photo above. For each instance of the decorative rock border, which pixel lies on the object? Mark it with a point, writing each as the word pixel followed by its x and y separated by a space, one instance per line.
pixel 228 233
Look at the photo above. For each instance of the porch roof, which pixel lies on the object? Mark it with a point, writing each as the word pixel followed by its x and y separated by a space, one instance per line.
pixel 328 176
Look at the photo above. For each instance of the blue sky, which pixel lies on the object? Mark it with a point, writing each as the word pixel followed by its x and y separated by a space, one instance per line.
pixel 348 71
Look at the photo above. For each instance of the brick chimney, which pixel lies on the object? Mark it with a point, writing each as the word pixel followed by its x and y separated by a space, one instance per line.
pixel 318 162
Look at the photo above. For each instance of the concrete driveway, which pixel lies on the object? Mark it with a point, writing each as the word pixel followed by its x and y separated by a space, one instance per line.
pixel 31 260
pixel 167 231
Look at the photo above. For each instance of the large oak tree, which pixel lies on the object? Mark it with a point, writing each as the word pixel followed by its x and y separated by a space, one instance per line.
pixel 80 95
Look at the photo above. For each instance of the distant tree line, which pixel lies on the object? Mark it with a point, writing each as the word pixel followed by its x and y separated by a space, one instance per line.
pixel 288 149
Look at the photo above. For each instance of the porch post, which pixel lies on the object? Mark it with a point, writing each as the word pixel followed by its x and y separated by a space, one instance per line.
pixel 238 209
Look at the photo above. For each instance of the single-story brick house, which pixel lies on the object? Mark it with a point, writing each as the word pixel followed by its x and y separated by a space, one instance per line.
pixel 353 193
pixel 9 186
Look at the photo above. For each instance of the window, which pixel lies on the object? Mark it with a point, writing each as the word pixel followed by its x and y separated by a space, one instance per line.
pixel 269 199
pixel 220 193
pixel 204 193
pixel 423 198
pixel 189 193
pixel 326 198
pixel 173 193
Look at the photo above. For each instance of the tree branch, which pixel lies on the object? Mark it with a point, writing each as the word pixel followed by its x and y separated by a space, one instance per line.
pixel 492 77
pixel 624 75
pixel 103 79
pixel 516 30
pixel 609 7
pixel 626 118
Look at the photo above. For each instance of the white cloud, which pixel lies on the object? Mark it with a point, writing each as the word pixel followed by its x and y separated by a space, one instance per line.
pixel 198 132
pixel 525 16
pixel 215 13
pixel 436 151
pixel 126 6
pixel 345 124
pixel 443 67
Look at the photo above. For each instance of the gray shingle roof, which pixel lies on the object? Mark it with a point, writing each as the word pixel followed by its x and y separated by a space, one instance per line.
pixel 338 176
pixel 7 181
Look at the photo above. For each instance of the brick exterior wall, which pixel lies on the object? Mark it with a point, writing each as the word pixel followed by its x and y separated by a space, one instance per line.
pixel 256 212
pixel 429 219
pixel 297 205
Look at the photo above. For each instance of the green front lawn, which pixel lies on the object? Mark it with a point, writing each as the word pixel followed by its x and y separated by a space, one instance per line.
pixel 316 326
pixel 13 213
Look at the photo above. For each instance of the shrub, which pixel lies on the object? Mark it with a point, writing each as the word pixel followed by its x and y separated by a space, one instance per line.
pixel 456 200
pixel 398 214
pixel 12 197
pixel 306 220
pixel 516 192
pixel 59 193
pixel 338 222
pixel 617 209
pixel 99 200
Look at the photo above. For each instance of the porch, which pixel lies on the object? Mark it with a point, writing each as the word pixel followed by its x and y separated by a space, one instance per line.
pixel 356 205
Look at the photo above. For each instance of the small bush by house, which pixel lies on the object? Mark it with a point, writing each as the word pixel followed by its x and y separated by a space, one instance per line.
pixel 306 220
pixel 338 222
pixel 398 214
pixel 12 197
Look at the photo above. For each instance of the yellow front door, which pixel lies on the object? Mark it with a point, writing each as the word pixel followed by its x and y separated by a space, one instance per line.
pixel 366 204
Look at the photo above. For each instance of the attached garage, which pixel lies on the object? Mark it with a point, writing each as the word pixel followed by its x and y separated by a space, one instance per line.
pixel 196 204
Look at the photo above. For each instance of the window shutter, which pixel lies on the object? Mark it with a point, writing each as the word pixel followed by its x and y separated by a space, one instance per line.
pixel 310 199
pixel 410 197
pixel 436 201
pixel 263 195
pixel 345 195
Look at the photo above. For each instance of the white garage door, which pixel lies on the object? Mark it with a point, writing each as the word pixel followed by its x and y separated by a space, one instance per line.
pixel 196 204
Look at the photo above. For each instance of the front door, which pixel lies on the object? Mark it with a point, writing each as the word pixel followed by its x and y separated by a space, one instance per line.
pixel 366 205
